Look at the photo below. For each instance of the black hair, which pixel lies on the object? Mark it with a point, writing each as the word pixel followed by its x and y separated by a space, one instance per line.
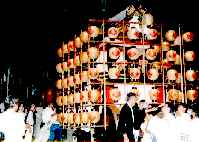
pixel 142 101
pixel 129 95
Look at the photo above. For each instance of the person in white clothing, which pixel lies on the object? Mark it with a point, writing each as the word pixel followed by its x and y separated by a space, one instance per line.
pixel 29 120
pixel 46 120
pixel 159 126
pixel 182 120
pixel 12 124
pixel 194 126
pixel 38 121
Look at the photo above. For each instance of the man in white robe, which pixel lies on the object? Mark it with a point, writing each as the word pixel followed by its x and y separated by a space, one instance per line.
pixel 46 119
pixel 12 124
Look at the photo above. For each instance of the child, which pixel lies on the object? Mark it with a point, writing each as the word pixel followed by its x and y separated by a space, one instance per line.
pixel 55 129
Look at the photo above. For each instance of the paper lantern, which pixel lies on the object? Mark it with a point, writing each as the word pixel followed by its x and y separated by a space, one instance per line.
pixel 94 116
pixel 114 53
pixel 84 57
pixel 76 117
pixel 93 31
pixel 152 74
pixel 113 32
pixel 171 35
pixel 133 53
pixel 171 55
pixel 151 54
pixel 93 52
pixel 65 100
pixel 84 76
pixel 70 119
pixel 84 117
pixel 59 68
pixel 71 81
pixel 59 52
pixel 59 100
pixel 173 94
pixel 154 93
pixel 78 42
pixel 172 74
pixel 65 83
pixel 59 84
pixel 65 66
pixel 190 56
pixel 93 73
pixel 192 94
pixel 84 36
pixel 134 73
pixel 77 79
pixel 62 50
pixel 71 45
pixel 188 36
pixel 70 99
pixel 94 94
pixel 191 75
pixel 115 94
pixel 84 96
pixel 77 97
pixel 77 60
pixel 114 73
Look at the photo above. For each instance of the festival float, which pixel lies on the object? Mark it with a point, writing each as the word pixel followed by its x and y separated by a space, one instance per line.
pixel 110 58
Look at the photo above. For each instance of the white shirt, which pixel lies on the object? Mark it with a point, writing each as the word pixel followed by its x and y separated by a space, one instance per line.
pixel 46 114
pixel 194 129
pixel 12 125
pixel 30 119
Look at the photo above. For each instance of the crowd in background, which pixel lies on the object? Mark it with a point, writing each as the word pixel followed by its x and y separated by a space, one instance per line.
pixel 137 122
pixel 28 123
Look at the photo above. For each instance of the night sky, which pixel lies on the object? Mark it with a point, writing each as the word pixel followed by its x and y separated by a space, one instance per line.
pixel 30 32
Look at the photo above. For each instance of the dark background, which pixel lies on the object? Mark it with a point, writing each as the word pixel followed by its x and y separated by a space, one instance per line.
pixel 30 31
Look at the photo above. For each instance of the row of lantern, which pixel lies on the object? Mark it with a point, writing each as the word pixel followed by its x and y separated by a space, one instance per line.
pixel 84 117
pixel 133 54
pixel 88 96
pixel 93 51
pixel 91 95
pixel 133 72
pixel 177 95
pixel 171 94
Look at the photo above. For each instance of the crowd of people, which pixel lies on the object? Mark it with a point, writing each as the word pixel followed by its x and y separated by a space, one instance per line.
pixel 137 122
pixel 161 123
pixel 20 123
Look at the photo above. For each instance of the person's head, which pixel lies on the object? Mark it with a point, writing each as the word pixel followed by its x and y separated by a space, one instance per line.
pixel 181 108
pixel 194 113
pixel 21 108
pixel 14 104
pixel 165 109
pixel 141 104
pixel 131 98
pixel 32 107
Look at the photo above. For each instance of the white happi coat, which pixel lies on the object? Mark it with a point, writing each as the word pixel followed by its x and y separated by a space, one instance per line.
pixel 12 125
pixel 45 130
